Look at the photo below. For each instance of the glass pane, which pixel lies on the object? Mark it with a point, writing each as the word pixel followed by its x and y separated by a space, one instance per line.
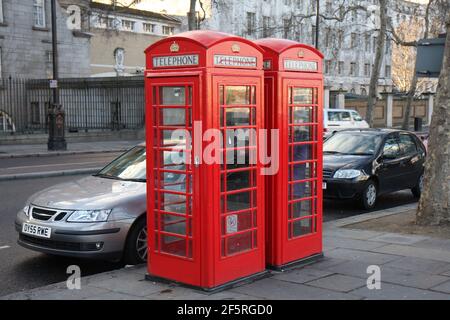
pixel 173 245
pixel 173 203
pixel 300 227
pixel 237 95
pixel 239 201
pixel 301 152
pixel 173 181
pixel 300 209
pixel 301 115
pixel 301 171
pixel 240 138
pixel 173 224
pixel 300 190
pixel 174 160
pixel 239 158
pixel 238 243
pixel 302 95
pixel 175 117
pixel 238 116
pixel 238 180
pixel 176 138
pixel 302 133
pixel 236 222
pixel 172 96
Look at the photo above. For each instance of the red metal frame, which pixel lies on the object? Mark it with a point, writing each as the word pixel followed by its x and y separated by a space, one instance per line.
pixel 207 254
pixel 294 194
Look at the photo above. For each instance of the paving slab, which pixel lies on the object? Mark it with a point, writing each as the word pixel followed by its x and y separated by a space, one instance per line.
pixel 351 233
pixel 396 238
pixel 443 287
pixel 434 243
pixel 301 275
pixel 419 264
pixel 408 278
pixel 277 289
pixel 397 292
pixel 360 255
pixel 338 282
pixel 175 292
pixel 114 296
pixel 337 242
pixel 410 251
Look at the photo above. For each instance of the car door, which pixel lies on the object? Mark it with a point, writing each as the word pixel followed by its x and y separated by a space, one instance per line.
pixel 389 170
pixel 411 163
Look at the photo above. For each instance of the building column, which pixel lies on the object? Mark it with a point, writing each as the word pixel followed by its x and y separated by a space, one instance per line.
pixel 326 97
pixel 430 105
pixel 341 100
pixel 389 109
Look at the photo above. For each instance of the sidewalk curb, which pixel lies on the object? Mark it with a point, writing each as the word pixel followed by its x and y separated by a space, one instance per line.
pixel 46 174
pixel 370 215
pixel 59 153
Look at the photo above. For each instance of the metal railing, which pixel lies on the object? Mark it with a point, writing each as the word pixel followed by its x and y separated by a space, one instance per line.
pixel 90 104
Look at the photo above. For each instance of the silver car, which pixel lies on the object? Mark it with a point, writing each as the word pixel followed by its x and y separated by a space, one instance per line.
pixel 101 216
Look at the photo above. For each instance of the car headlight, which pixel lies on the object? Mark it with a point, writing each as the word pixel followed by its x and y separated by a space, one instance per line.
pixel 26 210
pixel 347 174
pixel 89 216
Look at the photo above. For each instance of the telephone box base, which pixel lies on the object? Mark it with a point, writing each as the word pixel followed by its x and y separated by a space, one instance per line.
pixel 297 263
pixel 225 286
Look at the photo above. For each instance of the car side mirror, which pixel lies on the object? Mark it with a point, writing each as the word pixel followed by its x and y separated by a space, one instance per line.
pixel 387 156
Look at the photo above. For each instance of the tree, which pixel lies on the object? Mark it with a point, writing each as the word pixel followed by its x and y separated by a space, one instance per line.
pixel 434 204
pixel 192 19
pixel 379 54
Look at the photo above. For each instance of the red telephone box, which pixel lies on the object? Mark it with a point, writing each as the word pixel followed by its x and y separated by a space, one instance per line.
pixel 293 104
pixel 205 218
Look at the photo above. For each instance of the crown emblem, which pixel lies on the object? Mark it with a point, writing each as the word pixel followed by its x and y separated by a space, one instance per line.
pixel 235 48
pixel 174 47
pixel 301 54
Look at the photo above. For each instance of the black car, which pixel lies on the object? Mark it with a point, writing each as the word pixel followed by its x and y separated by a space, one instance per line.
pixel 363 164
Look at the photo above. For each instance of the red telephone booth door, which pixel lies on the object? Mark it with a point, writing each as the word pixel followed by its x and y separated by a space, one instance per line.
pixel 173 183
pixel 303 221
pixel 241 238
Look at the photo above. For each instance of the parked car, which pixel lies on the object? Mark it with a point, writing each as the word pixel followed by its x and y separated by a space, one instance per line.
pixel 100 216
pixel 363 164
pixel 340 119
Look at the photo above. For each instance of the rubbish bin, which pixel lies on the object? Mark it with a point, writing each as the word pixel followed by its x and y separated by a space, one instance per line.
pixel 418 124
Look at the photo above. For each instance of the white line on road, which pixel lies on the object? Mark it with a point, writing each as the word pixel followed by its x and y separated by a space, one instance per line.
pixel 4 247
pixel 51 165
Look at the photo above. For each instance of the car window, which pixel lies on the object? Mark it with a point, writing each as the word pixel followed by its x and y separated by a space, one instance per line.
pixel 391 149
pixel 352 143
pixel 356 116
pixel 129 166
pixel 345 116
pixel 407 144
pixel 334 116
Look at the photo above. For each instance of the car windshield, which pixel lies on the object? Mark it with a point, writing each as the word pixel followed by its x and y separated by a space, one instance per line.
pixel 352 143
pixel 130 166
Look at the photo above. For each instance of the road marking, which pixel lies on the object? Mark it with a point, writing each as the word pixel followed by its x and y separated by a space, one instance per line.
pixel 52 165
pixel 4 247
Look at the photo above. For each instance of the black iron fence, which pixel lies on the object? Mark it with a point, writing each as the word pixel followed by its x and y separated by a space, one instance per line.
pixel 90 103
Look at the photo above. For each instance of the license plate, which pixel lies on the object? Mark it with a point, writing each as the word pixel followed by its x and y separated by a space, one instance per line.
pixel 35 230
pixel 324 185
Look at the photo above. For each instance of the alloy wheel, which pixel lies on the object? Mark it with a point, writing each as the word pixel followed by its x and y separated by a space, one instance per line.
pixel 371 194
pixel 141 244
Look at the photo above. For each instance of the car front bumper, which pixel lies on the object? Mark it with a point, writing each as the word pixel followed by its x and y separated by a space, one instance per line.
pixel 102 240
pixel 343 188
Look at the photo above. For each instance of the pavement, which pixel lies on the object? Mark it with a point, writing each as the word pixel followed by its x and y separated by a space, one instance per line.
pixel 411 267
pixel 37 152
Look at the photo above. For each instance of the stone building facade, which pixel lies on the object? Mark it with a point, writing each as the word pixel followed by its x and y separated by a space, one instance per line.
pixel 25 41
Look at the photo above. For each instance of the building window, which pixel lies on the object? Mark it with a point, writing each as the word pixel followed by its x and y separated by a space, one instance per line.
pixel 340 37
pixel 367 42
pixel 327 66
pixel 329 7
pixel 313 34
pixel 353 40
pixel 327 37
pixel 375 39
pixel 167 30
pixel 388 44
pixel 1 11
pixel 387 71
pixel 149 27
pixel 266 26
pixel 314 5
pixel 363 92
pixel 251 22
pixel 367 69
pixel 128 25
pixel 340 67
pixel 287 2
pixel 39 13
pixel 286 28
pixel 353 69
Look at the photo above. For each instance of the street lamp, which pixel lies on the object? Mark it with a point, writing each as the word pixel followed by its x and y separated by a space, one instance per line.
pixel 317 23
pixel 56 115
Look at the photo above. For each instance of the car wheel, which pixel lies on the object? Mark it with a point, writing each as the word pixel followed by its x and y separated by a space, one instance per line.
pixel 417 190
pixel 136 246
pixel 369 195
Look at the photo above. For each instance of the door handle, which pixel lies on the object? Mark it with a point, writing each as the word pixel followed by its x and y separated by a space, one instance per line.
pixel 196 161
